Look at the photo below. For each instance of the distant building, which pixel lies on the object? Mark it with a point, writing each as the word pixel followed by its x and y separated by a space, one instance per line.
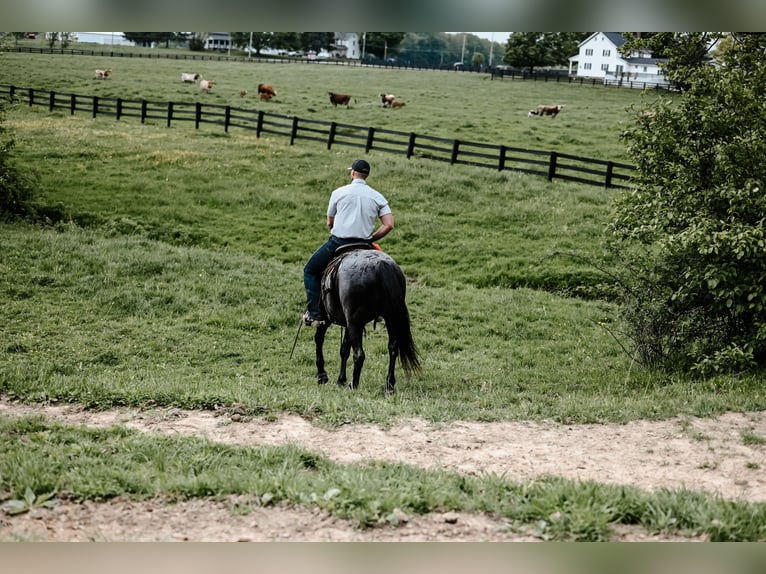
pixel 218 41
pixel 599 57
pixel 109 38
pixel 347 46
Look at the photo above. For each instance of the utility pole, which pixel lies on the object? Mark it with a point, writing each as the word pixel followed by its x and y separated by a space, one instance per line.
pixel 491 46
pixel 364 44
pixel 250 47
pixel 462 53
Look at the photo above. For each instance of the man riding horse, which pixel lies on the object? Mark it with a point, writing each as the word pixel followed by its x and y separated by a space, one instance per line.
pixel 352 213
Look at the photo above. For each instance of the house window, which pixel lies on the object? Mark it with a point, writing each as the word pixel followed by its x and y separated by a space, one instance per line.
pixel 605 67
pixel 606 53
pixel 586 66
pixel 588 51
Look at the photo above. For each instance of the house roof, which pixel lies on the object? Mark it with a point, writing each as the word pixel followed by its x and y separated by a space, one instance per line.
pixel 614 37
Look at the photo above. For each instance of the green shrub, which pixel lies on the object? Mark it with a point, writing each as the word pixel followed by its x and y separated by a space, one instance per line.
pixel 18 190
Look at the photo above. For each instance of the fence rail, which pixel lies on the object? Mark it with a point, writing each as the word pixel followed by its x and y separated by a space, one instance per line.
pixel 550 164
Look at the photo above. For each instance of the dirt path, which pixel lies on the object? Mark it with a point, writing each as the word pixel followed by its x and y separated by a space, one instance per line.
pixel 709 455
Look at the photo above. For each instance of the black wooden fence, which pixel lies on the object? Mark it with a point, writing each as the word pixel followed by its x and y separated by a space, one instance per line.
pixel 549 164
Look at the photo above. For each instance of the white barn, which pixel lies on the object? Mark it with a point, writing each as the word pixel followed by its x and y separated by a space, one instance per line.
pixel 598 57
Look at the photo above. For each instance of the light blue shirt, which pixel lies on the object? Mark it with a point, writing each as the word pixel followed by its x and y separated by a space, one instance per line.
pixel 356 207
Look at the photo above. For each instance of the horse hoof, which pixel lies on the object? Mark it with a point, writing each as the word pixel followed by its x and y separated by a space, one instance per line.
pixel 322 379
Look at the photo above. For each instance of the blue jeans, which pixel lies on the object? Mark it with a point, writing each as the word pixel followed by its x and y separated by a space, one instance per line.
pixel 312 272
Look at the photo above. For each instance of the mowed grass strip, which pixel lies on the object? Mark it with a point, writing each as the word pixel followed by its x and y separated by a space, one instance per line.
pixel 98 465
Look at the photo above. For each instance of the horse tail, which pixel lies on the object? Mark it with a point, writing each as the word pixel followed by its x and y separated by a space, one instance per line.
pixel 398 323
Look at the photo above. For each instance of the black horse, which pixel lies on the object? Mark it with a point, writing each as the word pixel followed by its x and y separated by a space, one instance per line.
pixel 360 286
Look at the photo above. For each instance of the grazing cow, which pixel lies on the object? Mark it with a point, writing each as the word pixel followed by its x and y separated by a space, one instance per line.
pixel 387 99
pixel 242 93
pixel 205 85
pixel 266 89
pixel 552 111
pixel 340 99
pixel 266 97
pixel 103 74
pixel 398 104
pixel 189 78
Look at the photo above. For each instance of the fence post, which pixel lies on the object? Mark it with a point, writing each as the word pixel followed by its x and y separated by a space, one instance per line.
pixel 331 135
pixel 609 171
pixel 170 113
pixel 197 115
pixel 95 106
pixel 455 151
pixel 294 129
pixel 259 126
pixel 370 138
pixel 143 110
pixel 411 145
pixel 501 159
pixel 119 108
pixel 226 119
pixel 72 104
pixel 52 101
pixel 31 97
pixel 552 166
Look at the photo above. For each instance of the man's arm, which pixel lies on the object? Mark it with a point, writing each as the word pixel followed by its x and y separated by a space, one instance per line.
pixel 386 225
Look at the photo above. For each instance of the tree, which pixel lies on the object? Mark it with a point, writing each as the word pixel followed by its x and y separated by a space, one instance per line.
pixel 146 39
pixel 317 41
pixel 694 227
pixel 685 51
pixel 383 44
pixel 527 50
pixel 260 40
pixel 536 49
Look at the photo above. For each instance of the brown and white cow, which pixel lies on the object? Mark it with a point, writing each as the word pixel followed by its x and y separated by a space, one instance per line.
pixel 103 74
pixel 543 110
pixel 337 99
pixel 387 99
pixel 206 85
pixel 266 89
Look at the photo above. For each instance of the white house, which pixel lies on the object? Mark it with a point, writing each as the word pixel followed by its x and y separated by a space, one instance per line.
pixel 599 58
pixel 347 45
pixel 218 41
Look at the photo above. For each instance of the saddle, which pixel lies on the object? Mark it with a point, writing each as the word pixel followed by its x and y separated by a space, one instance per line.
pixel 328 275
pixel 332 266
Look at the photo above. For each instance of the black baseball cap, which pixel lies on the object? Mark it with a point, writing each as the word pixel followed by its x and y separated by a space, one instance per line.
pixel 361 166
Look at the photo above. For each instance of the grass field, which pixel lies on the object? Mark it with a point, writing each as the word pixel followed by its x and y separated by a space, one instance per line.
pixel 172 275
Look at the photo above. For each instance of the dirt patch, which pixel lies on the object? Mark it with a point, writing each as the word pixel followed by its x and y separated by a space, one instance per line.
pixel 722 456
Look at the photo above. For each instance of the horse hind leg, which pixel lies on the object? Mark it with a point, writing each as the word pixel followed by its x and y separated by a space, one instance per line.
pixel 393 352
pixel 319 337
pixel 354 341
pixel 345 350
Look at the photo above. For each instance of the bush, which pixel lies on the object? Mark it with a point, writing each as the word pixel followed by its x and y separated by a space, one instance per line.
pixel 18 190
pixel 694 228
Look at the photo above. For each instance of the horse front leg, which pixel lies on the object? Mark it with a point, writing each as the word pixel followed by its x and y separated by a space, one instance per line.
pixel 393 352
pixel 319 337
pixel 345 347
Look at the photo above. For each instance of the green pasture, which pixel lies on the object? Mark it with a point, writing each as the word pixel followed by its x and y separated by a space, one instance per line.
pixel 461 105
pixel 170 275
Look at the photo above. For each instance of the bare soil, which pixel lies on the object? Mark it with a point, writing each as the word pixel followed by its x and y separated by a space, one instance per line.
pixel 722 456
